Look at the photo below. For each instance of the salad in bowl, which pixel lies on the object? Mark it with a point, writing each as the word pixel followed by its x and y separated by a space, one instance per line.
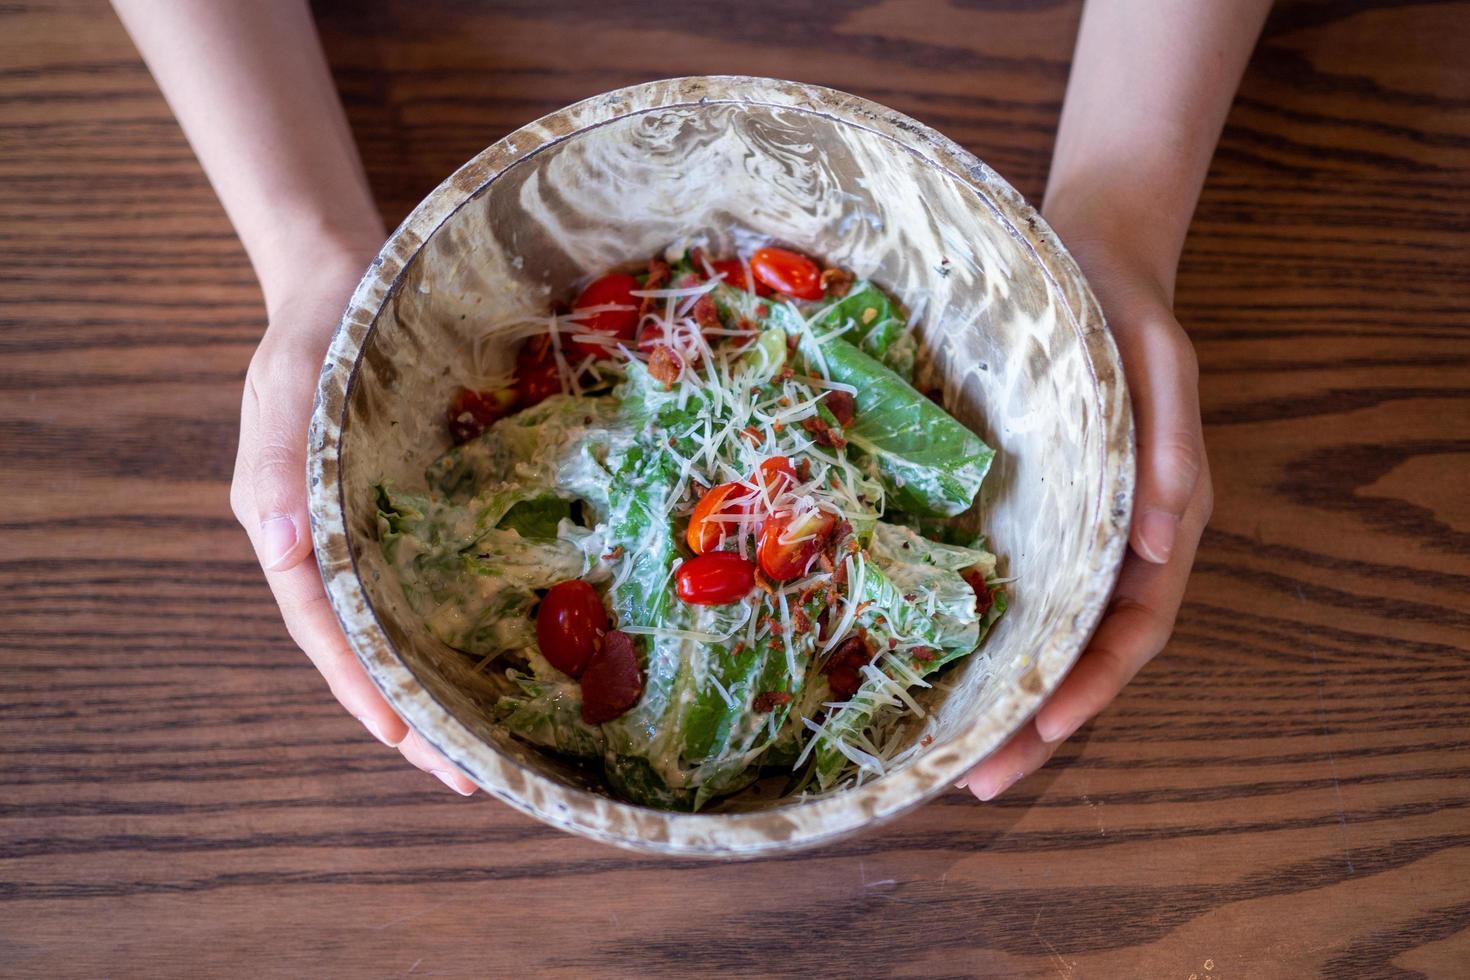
pixel 701 532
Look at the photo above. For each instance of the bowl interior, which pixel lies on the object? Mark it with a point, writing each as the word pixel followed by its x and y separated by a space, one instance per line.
pixel 1011 333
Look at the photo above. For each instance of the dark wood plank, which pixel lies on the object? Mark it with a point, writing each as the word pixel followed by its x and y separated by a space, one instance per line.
pixel 1283 793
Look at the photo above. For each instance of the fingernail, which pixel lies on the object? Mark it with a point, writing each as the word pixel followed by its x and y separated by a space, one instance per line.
pixel 1058 732
pixel 989 793
pixel 1156 530
pixel 373 728
pixel 962 784
pixel 277 538
pixel 448 780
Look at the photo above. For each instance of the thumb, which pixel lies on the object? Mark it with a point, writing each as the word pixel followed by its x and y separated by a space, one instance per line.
pixel 280 383
pixel 1163 376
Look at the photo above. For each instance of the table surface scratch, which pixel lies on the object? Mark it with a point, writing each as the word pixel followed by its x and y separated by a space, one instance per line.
pixel 1282 793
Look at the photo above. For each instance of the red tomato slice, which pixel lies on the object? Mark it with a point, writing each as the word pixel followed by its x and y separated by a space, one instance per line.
pixel 618 288
pixel 787 272
pixel 536 375
pixel 613 682
pixel 734 271
pixel 787 543
pixel 569 625
pixel 704 529
pixel 715 579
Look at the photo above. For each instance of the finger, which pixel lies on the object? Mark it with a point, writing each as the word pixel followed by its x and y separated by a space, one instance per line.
pixel 1163 377
pixel 1025 753
pixel 313 625
pixel 427 758
pixel 278 398
pixel 1138 625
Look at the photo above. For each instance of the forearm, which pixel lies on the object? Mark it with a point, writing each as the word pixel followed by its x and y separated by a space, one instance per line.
pixel 1150 87
pixel 251 89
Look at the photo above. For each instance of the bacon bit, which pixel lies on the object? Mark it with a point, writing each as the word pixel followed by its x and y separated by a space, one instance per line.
pixel 825 560
pixel 705 313
pixel 762 310
pixel 843 666
pixel 836 282
pixel 617 552
pixel 737 649
pixel 841 532
pixel 784 402
pixel 911 597
pixel 822 433
pixel 984 596
pixel 771 622
pixel 924 655
pixel 778 427
pixel 659 273
pixel 842 406
pixel 664 365
pixel 839 574
pixel 862 607
pixel 696 258
pixel 926 741
pixel 893 643
pixel 791 343
pixel 801 624
pixel 766 701
pixel 786 373
pixel 745 328
pixel 804 469
pixel 753 434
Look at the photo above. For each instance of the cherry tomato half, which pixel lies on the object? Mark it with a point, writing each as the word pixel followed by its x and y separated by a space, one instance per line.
pixel 734 271
pixel 570 624
pixel 471 412
pixel 617 288
pixel 715 579
pixel 787 543
pixel 787 272
pixel 777 474
pixel 613 681
pixel 536 375
pixel 705 527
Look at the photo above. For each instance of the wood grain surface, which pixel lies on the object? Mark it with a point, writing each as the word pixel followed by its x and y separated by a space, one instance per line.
pixel 1283 793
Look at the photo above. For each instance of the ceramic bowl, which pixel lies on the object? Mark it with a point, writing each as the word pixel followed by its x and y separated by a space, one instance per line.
pixel 1013 336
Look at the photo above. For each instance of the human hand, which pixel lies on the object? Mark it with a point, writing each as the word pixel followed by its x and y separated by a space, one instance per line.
pixel 1172 504
pixel 268 493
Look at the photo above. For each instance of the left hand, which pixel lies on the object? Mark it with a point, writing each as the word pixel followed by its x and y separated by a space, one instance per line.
pixel 1171 507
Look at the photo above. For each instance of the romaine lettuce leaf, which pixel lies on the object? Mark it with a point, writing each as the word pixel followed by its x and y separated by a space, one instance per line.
pixel 930 463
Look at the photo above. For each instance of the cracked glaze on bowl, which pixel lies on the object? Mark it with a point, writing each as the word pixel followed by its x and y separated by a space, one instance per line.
pixel 1013 335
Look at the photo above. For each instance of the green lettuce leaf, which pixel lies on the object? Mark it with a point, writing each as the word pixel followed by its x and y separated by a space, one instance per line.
pixel 930 463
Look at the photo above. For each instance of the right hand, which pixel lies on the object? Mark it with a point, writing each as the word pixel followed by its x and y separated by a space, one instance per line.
pixel 1172 505
pixel 268 495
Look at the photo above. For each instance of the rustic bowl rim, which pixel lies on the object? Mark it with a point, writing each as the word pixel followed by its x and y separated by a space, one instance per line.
pixel 787 826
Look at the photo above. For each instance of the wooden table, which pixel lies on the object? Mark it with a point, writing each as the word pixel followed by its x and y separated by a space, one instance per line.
pixel 1282 793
